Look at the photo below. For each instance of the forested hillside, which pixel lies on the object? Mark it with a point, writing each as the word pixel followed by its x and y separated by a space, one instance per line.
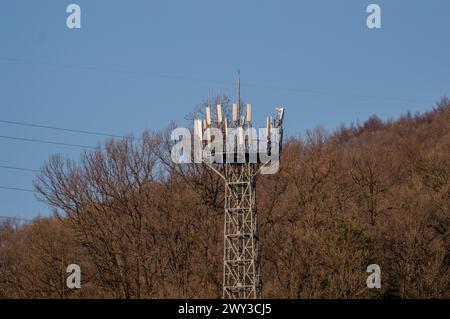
pixel 141 227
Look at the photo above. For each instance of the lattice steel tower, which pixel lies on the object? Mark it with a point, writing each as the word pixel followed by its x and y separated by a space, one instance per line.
pixel 244 155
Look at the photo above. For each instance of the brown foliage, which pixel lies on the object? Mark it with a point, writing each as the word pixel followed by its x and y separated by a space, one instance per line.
pixel 141 227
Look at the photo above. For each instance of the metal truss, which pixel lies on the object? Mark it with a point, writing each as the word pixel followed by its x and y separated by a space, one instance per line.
pixel 241 259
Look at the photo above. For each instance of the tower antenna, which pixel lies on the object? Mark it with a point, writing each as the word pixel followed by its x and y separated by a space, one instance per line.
pixel 209 97
pixel 239 95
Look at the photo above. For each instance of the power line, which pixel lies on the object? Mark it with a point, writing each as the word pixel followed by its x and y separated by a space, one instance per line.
pixel 22 139
pixel 128 72
pixel 18 189
pixel 61 129
pixel 19 168
pixel 192 79
pixel 319 92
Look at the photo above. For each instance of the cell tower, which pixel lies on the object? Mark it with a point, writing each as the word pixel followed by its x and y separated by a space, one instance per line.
pixel 238 163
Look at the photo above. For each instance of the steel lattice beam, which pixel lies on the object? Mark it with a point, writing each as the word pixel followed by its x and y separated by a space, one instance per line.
pixel 241 263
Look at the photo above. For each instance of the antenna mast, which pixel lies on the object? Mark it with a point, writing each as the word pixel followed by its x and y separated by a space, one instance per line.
pixel 239 96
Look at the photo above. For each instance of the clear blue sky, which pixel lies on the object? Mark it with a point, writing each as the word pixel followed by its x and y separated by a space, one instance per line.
pixel 308 45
